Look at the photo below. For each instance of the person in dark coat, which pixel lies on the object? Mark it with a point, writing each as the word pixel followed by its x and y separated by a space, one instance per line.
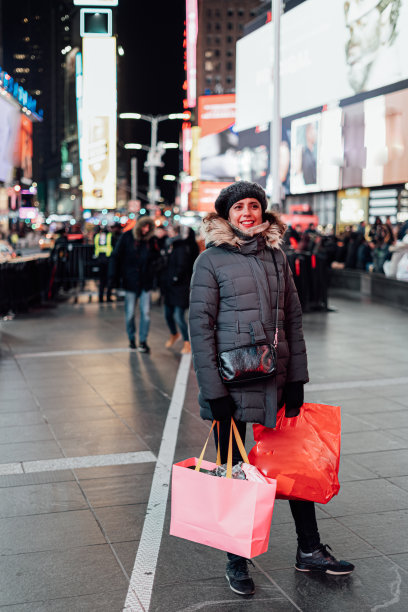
pixel 134 257
pixel 182 251
pixel 234 298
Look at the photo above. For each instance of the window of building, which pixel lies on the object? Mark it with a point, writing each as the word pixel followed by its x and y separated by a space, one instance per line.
pixel 217 27
pixel 240 12
pixel 230 26
pixel 209 13
pixel 229 66
pixel 19 56
pixel 229 79
pixel 217 13
pixel 241 27
pixel 217 40
pixel 209 40
pixel 208 79
pixel 208 53
pixel 230 53
pixel 27 39
pixel 217 53
pixel 209 26
pixel 229 39
pixel 208 65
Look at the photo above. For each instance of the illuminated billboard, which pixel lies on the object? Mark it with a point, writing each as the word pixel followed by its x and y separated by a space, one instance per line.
pixel 98 142
pixel 218 145
pixel 9 124
pixel 96 2
pixel 26 148
pixel 191 42
pixel 208 193
pixel 330 51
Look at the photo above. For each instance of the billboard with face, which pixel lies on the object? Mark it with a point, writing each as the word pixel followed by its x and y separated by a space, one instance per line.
pixel 330 51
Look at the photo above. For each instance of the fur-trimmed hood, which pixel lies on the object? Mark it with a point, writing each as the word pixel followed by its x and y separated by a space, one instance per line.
pixel 137 229
pixel 217 231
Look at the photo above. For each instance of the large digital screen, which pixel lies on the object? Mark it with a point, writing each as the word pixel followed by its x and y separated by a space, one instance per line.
pixel 348 47
pixel 98 143
pixel 9 124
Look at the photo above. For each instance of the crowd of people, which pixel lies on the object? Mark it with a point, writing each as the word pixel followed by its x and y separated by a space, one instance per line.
pixel 381 247
pixel 150 258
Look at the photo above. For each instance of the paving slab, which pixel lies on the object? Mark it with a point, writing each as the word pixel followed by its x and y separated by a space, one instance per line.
pixel 70 537
pixel 375 585
pixel 45 576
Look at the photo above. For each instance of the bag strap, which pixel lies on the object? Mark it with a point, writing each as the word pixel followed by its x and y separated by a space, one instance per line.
pixel 275 339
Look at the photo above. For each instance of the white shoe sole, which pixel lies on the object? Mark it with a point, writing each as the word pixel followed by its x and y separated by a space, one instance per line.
pixel 324 571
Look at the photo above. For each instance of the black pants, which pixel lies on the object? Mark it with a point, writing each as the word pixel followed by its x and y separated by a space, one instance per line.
pixel 303 512
pixel 104 279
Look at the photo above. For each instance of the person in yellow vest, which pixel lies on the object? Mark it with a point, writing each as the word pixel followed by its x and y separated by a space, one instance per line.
pixel 103 250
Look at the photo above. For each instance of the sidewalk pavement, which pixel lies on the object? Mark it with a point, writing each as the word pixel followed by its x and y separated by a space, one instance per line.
pixel 82 421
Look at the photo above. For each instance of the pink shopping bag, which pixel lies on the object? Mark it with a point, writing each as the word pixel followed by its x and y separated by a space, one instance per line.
pixel 224 513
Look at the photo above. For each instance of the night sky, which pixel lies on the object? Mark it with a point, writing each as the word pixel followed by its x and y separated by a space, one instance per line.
pixel 151 75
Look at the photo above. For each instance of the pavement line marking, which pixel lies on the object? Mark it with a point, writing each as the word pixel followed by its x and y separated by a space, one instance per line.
pixel 71 463
pixel 142 578
pixel 70 353
pixel 354 384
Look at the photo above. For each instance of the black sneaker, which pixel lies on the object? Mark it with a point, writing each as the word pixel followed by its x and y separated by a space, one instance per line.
pixel 143 348
pixel 132 344
pixel 238 577
pixel 320 560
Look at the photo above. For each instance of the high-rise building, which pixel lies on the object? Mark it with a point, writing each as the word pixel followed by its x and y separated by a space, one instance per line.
pixel 36 37
pixel 220 25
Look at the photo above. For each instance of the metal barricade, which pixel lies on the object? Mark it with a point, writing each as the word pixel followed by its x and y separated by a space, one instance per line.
pixel 23 283
pixel 311 277
pixel 72 266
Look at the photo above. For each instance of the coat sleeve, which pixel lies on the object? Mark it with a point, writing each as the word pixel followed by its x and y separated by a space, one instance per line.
pixel 115 260
pixel 204 301
pixel 297 367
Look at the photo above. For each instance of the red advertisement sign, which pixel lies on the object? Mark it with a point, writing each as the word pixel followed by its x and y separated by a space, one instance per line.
pixel 208 193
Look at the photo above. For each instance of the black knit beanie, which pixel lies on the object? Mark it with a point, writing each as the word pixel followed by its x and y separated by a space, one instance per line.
pixel 238 191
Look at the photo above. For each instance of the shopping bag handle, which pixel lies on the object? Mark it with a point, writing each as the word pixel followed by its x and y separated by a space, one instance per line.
pixel 240 445
pixel 218 462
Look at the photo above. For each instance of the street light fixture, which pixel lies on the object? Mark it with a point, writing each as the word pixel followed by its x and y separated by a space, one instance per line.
pixel 156 149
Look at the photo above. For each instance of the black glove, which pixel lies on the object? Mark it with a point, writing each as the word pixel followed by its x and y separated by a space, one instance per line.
pixel 222 408
pixel 293 397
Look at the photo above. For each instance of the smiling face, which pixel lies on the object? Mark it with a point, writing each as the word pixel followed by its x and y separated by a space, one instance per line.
pixel 245 214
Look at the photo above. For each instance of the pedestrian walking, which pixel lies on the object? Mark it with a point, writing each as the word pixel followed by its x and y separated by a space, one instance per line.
pixel 181 252
pixel 103 247
pixel 134 260
pixel 235 299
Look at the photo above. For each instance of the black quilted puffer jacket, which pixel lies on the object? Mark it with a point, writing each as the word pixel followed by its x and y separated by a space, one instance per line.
pixel 230 291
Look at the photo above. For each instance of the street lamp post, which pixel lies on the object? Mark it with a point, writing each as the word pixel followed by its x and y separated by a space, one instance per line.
pixel 156 149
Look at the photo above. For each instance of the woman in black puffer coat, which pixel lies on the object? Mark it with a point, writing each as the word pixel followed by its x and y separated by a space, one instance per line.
pixel 181 253
pixel 233 300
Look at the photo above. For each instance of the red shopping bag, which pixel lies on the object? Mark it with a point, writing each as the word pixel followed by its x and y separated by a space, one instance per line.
pixel 224 513
pixel 302 453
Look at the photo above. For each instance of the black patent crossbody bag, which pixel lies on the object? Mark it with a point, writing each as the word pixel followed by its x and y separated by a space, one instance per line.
pixel 252 361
